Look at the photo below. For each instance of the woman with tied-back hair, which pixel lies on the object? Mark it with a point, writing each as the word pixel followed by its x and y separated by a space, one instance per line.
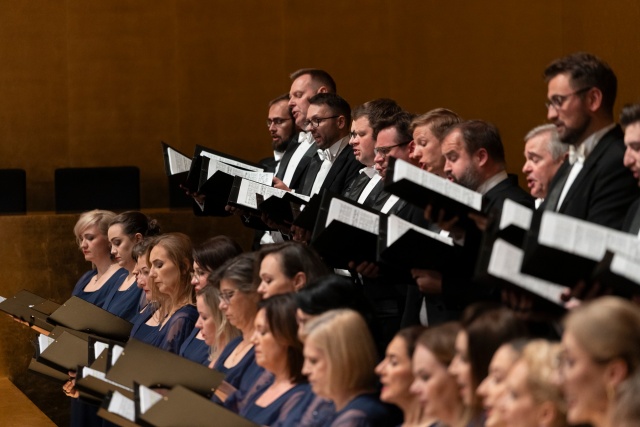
pixel 170 258
pixel 287 267
pixel 141 254
pixel 125 230
pixel 239 302
pixel 435 387
pixel 212 325
pixel 207 258
pixel 339 359
pixel 281 386
pixel 484 329
pixel 600 350
pixel 532 396
pixel 396 377
pixel 91 235
pixel 493 387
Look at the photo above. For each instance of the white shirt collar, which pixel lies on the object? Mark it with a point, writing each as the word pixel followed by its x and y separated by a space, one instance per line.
pixel 492 182
pixel 369 170
pixel 277 155
pixel 582 151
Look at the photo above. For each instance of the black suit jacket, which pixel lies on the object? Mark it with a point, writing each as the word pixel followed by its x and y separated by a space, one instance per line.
pixel 632 220
pixel 604 189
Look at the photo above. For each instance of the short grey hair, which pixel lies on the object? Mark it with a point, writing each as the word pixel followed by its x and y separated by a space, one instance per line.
pixel 556 147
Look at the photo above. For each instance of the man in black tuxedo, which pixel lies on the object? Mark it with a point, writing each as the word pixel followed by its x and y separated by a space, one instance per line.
pixel 282 129
pixel 630 121
pixel 591 184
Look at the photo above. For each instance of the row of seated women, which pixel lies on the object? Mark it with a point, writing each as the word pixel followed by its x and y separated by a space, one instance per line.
pixel 297 344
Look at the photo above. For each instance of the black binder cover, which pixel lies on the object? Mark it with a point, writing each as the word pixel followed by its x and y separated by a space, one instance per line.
pixel 282 210
pixel 153 367
pixel 29 307
pixel 550 264
pixel 421 197
pixel 66 353
pixel 182 407
pixel 81 315
pixel 308 217
pixel 340 243
pixel 414 250
pixel 40 368
pixel 622 285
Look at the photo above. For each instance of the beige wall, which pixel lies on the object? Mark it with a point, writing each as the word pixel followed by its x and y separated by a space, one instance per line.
pixel 100 83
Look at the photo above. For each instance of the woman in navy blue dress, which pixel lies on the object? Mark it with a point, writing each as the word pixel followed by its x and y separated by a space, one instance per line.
pixel 339 359
pixel 125 230
pixel 239 303
pixel 287 267
pixel 91 234
pixel 140 328
pixel 207 258
pixel 279 351
pixel 170 258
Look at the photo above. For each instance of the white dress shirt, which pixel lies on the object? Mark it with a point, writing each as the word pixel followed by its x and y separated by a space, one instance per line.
pixel 328 156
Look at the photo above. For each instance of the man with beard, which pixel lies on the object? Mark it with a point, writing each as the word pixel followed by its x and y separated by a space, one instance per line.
pixel 282 130
pixel 591 184
pixel 474 158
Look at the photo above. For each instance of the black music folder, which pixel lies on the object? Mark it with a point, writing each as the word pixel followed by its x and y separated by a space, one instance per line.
pixel 65 353
pixel 309 215
pixel 118 409
pixel 513 222
pixel 83 316
pixel 175 162
pixel 620 272
pixel 182 407
pixel 283 210
pixel 562 249
pixel 405 244
pixel 153 367
pixel 422 188
pixel 31 308
pixel 345 231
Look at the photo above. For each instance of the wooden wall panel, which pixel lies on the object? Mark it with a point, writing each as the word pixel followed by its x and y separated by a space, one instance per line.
pixel 101 83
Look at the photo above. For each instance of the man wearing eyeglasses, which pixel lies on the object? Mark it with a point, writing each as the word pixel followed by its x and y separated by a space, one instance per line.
pixel 592 184
pixel 282 130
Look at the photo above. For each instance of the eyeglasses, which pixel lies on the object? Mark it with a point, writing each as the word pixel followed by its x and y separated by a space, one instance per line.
pixel 384 151
pixel 315 122
pixel 557 101
pixel 277 122
pixel 226 296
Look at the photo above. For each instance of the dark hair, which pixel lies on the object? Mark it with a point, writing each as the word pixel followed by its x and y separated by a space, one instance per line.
pixel 239 270
pixel 438 120
pixel 332 292
pixel 401 121
pixel 478 134
pixel 337 104
pixel 215 251
pixel 134 222
pixel 281 98
pixel 630 114
pixel 487 329
pixel 440 340
pixel 586 71
pixel 410 337
pixel 376 110
pixel 318 77
pixel 294 257
pixel 280 311
pixel 141 248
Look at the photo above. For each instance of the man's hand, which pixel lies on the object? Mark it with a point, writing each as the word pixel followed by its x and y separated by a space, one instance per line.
pixel 428 281
pixel 277 183
pixel 366 269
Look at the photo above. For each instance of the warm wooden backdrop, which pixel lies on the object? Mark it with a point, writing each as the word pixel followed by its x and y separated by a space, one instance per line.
pixel 101 82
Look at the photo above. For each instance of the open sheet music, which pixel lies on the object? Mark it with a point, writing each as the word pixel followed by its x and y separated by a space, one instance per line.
pixel 231 162
pixel 89 372
pixel 515 214
pixel 148 398
pixel 248 190
pixel 505 263
pixel 265 178
pixel 584 238
pixel 123 406
pixel 397 227
pixel 178 162
pixel 347 213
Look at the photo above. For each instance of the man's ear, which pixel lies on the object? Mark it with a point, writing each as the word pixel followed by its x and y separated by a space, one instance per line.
pixel 593 99
pixel 342 122
pixel 481 156
pixel 322 89
pixel 412 147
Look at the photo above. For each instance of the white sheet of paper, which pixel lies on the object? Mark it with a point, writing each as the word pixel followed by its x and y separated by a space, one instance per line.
pixel 44 342
pixel 88 372
pixel 177 162
pixel 115 353
pixel 584 238
pixel 123 406
pixel 405 170
pixel 627 268
pixel 98 348
pixel 344 212
pixel 248 190
pixel 2 299
pixel 505 263
pixel 231 162
pixel 397 227
pixel 515 214
pixel 265 178
pixel 148 398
